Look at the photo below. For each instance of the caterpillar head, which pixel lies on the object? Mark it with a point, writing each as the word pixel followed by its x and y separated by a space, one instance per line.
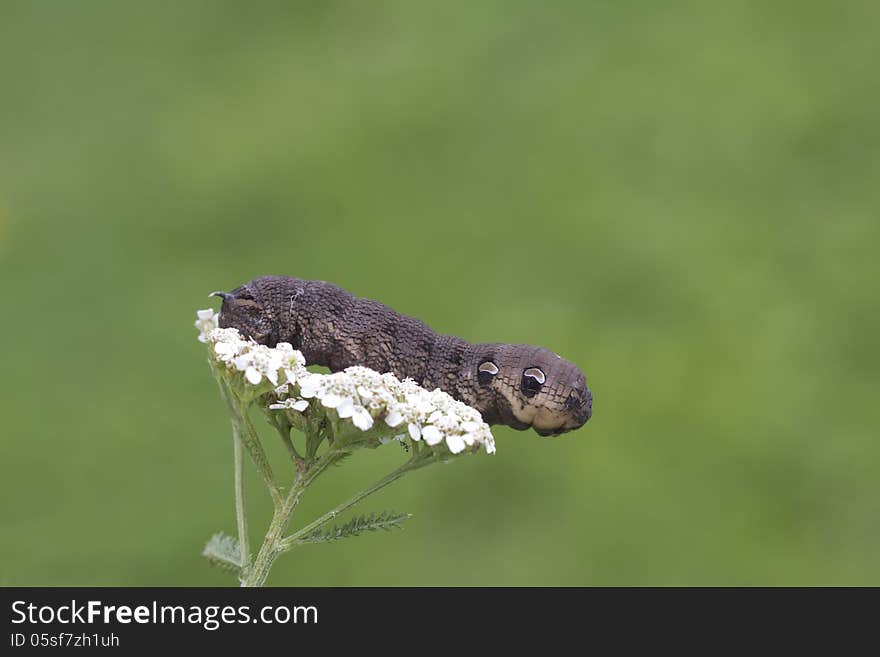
pixel 243 309
pixel 524 387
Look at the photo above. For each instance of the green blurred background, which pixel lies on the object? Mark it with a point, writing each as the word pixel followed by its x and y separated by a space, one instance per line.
pixel 684 198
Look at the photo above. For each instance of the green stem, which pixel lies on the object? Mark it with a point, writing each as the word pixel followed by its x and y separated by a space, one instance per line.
pixel 308 469
pixel 240 510
pixel 413 464
pixel 269 551
pixel 246 434
pixel 272 543
pixel 251 441
pixel 288 443
pixel 238 473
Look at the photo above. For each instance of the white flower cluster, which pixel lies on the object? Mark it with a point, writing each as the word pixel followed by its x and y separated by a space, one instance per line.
pixel 255 360
pixel 357 393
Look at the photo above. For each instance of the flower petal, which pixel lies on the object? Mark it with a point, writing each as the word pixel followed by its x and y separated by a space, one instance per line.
pixel 253 375
pixel 455 443
pixel 306 390
pixel 331 400
pixel 362 418
pixel 345 408
pixel 432 435
pixel 394 418
pixel 224 348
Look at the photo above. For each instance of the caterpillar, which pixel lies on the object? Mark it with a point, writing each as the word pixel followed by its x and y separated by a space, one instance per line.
pixel 518 385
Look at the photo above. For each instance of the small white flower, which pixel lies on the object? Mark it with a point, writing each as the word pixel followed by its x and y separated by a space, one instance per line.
pixel 345 408
pixel 206 322
pixel 330 400
pixel 432 435
pixel 362 418
pixel 309 385
pixel 424 406
pixel 394 418
pixel 455 443
pixel 253 375
pixel 290 403
pixel 225 350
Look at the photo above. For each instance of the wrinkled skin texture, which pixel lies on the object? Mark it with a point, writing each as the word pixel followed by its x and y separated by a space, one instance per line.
pixel 336 329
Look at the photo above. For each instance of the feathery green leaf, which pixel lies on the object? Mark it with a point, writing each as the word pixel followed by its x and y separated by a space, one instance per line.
pixel 223 551
pixel 387 520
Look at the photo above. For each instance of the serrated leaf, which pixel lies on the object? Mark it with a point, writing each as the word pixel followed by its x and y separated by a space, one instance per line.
pixel 223 551
pixel 386 521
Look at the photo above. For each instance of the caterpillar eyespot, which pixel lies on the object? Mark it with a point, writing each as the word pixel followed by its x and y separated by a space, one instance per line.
pixel 536 374
pixel 532 380
pixel 519 385
pixel 488 367
pixel 485 372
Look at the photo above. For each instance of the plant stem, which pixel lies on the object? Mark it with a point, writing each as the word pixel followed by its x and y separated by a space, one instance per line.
pixel 272 542
pixel 251 441
pixel 240 510
pixel 245 434
pixel 288 443
pixel 269 551
pixel 413 464
pixel 308 469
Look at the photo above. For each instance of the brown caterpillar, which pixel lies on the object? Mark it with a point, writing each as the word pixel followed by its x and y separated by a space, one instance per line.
pixel 518 385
